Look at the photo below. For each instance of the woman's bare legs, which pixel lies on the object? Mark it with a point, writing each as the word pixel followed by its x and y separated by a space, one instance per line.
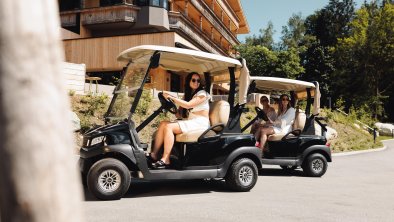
pixel 169 130
pixel 165 135
pixel 159 139
pixel 265 132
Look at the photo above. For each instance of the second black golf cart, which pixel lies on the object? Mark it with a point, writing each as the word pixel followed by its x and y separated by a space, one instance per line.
pixel 112 154
pixel 300 147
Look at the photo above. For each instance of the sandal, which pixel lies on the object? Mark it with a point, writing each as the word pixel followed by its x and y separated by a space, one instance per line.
pixel 150 160
pixel 160 165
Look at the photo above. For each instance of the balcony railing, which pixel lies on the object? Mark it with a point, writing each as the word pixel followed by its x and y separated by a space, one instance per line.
pixel 181 23
pixel 111 14
pixel 216 22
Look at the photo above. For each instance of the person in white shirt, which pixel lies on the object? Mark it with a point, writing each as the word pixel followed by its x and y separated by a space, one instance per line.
pixel 283 124
pixel 197 101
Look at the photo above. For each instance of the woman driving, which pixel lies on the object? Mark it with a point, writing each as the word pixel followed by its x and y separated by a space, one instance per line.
pixel 271 115
pixel 282 124
pixel 197 101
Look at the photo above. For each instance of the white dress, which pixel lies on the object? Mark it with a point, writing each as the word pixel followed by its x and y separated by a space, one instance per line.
pixel 196 122
pixel 284 122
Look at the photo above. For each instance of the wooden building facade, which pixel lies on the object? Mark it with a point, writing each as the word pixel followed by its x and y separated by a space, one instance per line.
pixel 94 32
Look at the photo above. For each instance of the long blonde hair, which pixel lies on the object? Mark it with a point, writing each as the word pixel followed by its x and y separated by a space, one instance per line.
pixel 281 109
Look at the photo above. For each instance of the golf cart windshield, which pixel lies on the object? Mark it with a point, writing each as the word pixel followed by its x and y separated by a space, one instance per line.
pixel 156 62
pixel 126 90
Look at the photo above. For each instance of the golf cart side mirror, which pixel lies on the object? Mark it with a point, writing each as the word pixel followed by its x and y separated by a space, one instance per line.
pixel 155 59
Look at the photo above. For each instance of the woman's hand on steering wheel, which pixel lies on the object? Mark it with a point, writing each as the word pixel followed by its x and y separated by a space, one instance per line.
pixel 167 103
pixel 261 114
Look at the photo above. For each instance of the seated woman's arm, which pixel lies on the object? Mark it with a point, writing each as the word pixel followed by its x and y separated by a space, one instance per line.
pixel 197 100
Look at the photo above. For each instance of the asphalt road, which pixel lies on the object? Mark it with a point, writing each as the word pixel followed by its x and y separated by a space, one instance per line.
pixel 355 188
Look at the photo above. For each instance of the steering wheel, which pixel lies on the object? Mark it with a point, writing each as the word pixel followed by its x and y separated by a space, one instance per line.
pixel 167 104
pixel 261 114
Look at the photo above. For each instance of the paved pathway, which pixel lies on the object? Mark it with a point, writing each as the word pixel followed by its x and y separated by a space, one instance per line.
pixel 355 188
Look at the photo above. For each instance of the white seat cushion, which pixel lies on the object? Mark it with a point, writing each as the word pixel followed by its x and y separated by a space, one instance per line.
pixel 219 112
pixel 191 136
pixel 299 121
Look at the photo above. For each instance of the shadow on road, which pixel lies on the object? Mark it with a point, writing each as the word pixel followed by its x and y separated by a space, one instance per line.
pixel 140 189
pixel 281 172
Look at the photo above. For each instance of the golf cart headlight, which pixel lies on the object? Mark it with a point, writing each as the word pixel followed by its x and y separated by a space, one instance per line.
pixel 97 140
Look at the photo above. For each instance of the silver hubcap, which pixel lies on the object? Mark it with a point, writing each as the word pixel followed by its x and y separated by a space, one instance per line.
pixel 317 165
pixel 245 175
pixel 109 181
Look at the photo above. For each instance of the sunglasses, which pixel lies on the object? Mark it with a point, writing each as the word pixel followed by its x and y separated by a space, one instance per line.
pixel 196 80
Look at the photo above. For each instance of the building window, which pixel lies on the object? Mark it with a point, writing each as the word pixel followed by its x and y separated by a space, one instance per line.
pixel 175 82
pixel 106 78
pixel 110 2
pixel 154 3
pixel 67 5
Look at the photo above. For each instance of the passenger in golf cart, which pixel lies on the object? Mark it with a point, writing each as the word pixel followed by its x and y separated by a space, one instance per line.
pixel 281 125
pixel 298 146
pixel 296 90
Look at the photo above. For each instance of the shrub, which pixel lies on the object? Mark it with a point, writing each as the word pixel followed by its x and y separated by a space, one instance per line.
pixel 71 92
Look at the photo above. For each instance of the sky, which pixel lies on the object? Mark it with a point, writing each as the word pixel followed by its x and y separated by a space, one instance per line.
pixel 260 12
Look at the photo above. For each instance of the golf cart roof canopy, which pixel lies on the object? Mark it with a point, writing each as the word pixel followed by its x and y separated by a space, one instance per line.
pixel 298 86
pixel 281 84
pixel 178 59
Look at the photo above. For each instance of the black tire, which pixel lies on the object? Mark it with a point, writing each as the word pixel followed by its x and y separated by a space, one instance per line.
pixel 288 168
pixel 84 180
pixel 114 182
pixel 315 165
pixel 242 175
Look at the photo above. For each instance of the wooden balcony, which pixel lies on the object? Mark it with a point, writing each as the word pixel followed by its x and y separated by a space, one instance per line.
pixel 204 9
pixel 193 32
pixel 68 19
pixel 119 15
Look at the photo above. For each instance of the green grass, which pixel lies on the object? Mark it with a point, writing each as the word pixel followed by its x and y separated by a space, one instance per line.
pixel 381 138
pixel 350 137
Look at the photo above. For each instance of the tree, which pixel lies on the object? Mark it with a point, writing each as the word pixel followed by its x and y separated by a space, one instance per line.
pixel 294 34
pixel 265 62
pixel 264 39
pixel 370 51
pixel 331 22
pixel 319 64
pixel 39 181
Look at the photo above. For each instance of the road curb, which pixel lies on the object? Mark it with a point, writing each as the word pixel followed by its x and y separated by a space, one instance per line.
pixel 359 152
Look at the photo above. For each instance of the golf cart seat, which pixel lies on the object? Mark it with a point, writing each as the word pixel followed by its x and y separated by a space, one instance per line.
pixel 219 112
pixel 299 123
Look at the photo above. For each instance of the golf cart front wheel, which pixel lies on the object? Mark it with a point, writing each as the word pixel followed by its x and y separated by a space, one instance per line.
pixel 242 175
pixel 108 179
pixel 315 165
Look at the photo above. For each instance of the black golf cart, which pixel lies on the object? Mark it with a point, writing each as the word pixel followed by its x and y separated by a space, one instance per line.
pixel 113 154
pixel 300 147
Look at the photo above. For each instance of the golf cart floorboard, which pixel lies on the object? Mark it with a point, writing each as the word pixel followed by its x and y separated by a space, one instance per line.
pixel 287 162
pixel 181 174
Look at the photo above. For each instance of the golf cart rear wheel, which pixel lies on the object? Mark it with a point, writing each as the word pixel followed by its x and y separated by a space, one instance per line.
pixel 108 179
pixel 242 175
pixel 315 165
